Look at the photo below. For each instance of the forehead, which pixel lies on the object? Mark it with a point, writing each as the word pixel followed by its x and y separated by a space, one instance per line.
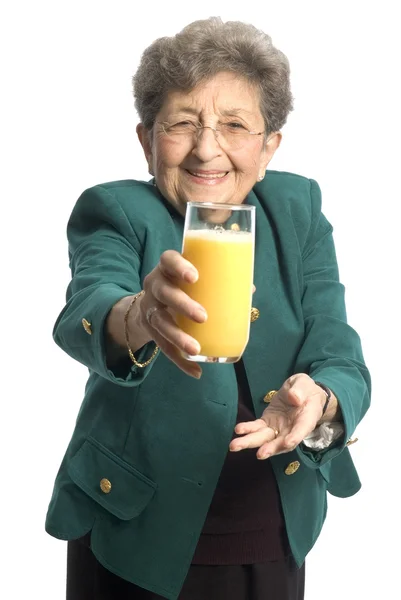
pixel 223 93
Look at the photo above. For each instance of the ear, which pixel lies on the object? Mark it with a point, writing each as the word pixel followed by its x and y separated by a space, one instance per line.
pixel 272 143
pixel 144 136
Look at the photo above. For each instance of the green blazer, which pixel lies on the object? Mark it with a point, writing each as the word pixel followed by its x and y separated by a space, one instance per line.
pixel 149 444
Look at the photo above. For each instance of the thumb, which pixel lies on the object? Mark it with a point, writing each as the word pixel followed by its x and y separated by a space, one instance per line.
pixel 296 395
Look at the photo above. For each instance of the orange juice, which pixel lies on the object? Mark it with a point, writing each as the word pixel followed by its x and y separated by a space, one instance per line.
pixel 224 260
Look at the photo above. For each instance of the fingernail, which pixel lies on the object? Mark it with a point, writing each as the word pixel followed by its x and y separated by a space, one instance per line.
pixel 190 276
pixel 193 348
pixel 263 456
pixel 200 315
pixel 236 449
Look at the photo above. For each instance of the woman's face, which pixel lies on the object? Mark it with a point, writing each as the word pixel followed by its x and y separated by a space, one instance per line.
pixel 202 167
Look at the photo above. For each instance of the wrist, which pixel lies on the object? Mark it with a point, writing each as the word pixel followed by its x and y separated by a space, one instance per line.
pixel 115 325
pixel 330 407
pixel 137 330
pixel 114 322
pixel 135 300
pixel 327 396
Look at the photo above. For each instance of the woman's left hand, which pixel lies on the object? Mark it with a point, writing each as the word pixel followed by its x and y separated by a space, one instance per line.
pixel 293 413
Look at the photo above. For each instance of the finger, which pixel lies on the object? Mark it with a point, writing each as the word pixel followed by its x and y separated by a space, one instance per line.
pixel 250 426
pixel 271 449
pixel 164 324
pixel 253 288
pixel 289 438
pixel 253 440
pixel 303 426
pixel 173 265
pixel 276 446
pixel 299 388
pixel 190 368
pixel 170 295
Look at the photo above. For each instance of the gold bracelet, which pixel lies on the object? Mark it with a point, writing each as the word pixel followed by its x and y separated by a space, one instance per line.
pixel 131 354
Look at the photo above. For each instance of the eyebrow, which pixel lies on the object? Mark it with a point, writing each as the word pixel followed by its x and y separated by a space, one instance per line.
pixel 229 112
pixel 236 111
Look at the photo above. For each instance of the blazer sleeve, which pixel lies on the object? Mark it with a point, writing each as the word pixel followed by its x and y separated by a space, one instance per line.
pixel 331 352
pixel 105 262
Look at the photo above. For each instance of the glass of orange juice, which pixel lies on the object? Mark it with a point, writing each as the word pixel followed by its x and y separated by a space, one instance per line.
pixel 219 241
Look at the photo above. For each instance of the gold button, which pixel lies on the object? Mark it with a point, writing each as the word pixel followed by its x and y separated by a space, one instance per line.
pixel 105 486
pixel 269 396
pixel 292 467
pixel 350 442
pixel 235 227
pixel 254 314
pixel 87 326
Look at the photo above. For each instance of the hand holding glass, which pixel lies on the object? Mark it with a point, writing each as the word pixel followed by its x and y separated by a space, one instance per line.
pixel 219 242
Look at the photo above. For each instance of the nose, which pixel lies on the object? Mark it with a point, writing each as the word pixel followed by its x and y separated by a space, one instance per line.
pixel 206 146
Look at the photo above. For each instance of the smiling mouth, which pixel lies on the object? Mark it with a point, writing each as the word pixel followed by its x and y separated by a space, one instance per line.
pixel 218 175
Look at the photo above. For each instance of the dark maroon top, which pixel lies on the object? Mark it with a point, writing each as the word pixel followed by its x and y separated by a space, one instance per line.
pixel 245 523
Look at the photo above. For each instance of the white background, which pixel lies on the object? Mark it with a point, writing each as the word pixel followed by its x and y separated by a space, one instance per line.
pixel 68 122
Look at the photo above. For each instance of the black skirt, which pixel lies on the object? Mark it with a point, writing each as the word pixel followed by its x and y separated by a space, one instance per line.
pixel 87 579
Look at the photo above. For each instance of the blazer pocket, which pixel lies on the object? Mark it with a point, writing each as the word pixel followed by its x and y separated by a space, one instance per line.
pixel 110 481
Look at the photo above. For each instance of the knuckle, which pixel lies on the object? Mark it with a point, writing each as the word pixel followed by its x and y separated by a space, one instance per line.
pixel 153 280
pixel 164 267
pixel 157 289
pixel 182 339
pixel 166 256
pixel 154 318
pixel 168 259
pixel 147 281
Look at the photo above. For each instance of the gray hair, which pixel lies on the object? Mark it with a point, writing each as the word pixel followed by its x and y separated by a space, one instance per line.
pixel 203 49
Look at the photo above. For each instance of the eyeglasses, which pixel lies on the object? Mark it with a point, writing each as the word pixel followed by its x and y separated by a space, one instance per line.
pixel 232 135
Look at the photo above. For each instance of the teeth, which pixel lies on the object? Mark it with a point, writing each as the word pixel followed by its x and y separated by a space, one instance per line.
pixel 205 176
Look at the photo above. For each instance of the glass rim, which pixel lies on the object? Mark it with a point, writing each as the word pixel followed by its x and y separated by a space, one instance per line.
pixel 218 205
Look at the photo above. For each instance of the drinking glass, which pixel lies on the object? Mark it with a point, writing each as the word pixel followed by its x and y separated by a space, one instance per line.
pixel 219 241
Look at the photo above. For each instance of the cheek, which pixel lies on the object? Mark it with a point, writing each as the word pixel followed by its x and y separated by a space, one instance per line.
pixel 247 163
pixel 169 155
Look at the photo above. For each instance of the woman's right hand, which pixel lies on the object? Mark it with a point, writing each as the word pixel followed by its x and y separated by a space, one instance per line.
pixel 162 300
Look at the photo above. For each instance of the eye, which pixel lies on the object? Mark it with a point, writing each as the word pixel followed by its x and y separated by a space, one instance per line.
pixel 178 127
pixel 182 125
pixel 234 127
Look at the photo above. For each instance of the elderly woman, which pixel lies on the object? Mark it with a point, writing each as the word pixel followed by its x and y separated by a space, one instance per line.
pixel 178 483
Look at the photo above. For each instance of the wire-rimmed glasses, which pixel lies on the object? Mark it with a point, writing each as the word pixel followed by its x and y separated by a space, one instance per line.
pixel 230 134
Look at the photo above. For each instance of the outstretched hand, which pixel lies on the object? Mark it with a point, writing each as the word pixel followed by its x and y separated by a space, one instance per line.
pixel 293 413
